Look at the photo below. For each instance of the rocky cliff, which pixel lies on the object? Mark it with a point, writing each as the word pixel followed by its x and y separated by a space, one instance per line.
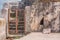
pixel 46 12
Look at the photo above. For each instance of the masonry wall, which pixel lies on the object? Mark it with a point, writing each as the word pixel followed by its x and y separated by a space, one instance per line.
pixel 27 19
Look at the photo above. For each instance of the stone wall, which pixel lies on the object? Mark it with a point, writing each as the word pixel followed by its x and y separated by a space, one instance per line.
pixel 49 12
pixel 27 19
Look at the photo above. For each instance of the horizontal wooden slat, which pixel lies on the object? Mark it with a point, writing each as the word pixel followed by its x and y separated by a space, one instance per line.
pixel 17 25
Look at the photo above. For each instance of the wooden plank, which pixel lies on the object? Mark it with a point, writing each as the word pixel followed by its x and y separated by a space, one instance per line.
pixel 12 21
pixel 8 18
pixel 16 20
pixel 21 21
pixel 24 22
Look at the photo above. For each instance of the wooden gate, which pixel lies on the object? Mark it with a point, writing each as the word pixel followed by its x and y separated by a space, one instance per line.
pixel 16 21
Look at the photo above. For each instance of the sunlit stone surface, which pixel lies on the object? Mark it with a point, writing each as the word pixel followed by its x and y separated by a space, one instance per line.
pixel 2 29
pixel 49 11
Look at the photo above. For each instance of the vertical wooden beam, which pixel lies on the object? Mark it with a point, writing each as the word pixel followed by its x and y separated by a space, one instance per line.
pixel 8 18
pixel 16 21
pixel 24 22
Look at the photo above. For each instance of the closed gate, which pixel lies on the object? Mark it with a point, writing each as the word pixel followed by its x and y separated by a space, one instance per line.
pixel 16 21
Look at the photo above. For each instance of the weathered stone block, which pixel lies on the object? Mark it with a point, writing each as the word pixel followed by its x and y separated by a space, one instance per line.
pixel 47 30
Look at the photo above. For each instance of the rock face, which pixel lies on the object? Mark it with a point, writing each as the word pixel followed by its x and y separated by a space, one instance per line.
pixel 48 12
pixel 51 19
pixel 41 15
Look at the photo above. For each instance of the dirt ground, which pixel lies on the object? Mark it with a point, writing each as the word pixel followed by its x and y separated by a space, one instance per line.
pixel 41 36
